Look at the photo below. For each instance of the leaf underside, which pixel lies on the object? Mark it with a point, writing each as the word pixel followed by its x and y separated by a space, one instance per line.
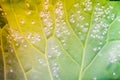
pixel 59 40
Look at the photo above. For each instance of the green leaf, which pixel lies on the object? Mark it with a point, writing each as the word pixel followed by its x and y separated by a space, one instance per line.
pixel 60 40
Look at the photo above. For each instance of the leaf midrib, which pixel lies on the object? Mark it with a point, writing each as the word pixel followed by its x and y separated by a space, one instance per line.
pixel 85 45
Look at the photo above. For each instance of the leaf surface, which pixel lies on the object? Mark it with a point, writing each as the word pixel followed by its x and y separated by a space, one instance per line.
pixel 60 40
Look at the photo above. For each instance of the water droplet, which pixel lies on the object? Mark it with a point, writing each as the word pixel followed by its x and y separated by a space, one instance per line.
pixel 1 9
pixel 33 37
pixel 119 19
pixel 29 12
pixel 86 24
pixel 78 11
pixel 94 78
pixel 11 50
pixel 27 4
pixel 29 35
pixel 88 5
pixel 94 49
pixel 111 7
pixel 17 44
pixel 98 4
pixel 113 57
pixel 85 29
pixel 107 11
pixel 3 13
pixel 99 48
pixel 33 22
pixel 64 44
pixel 100 43
pixel 22 21
pixel 76 5
pixel 53 48
pixel 72 20
pixel 46 6
pixel 55 70
pixel 114 73
pixel 59 9
pixel 49 56
pixel 119 55
pixel 10 61
pixel 40 61
pixel 11 70
pixel 82 26
pixel 25 46
pixel 42 14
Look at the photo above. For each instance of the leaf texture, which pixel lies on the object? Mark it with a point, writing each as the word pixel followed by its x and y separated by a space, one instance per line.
pixel 60 40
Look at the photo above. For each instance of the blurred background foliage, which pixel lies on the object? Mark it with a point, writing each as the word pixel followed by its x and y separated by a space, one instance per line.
pixel 3 20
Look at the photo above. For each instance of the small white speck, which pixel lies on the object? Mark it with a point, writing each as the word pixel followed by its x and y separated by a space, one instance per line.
pixel 2 14
pixel 11 50
pixel 32 22
pixel 11 70
pixel 99 48
pixel 49 56
pixel 40 61
pixel 111 7
pixel 22 41
pixel 98 4
pixel 119 19
pixel 119 55
pixel 94 78
pixel 16 44
pixel 53 48
pixel 25 46
pixel 42 14
pixel 119 32
pixel 64 44
pixel 63 41
pixel 86 24
pixel 113 57
pixel 72 20
pixel 79 33
pixel 114 73
pixel 0 9
pixel 82 26
pixel 85 29
pixel 76 4
pixel 27 4
pixel 94 49
pixel 78 11
pixel 29 12
pixel 22 21
pixel 100 43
